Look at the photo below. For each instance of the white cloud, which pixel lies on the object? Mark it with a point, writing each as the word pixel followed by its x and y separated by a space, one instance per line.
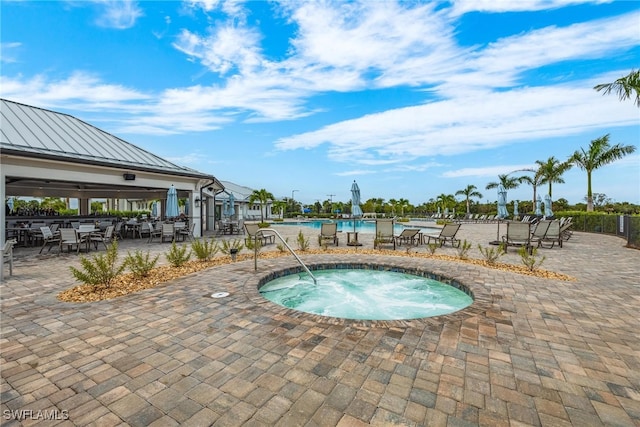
pixel 484 172
pixel 499 6
pixel 118 14
pixel 467 124
pixel 7 51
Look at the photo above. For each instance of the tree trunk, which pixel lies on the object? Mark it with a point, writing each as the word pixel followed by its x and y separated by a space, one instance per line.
pixel 589 193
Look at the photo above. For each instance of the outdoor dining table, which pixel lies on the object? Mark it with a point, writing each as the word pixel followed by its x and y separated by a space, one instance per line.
pixel 135 228
pixel 230 227
pixel 84 234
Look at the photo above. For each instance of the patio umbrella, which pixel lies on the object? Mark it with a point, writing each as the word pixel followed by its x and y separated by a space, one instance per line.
pixel 538 210
pixel 154 209
pixel 10 204
pixel 232 202
pixel 172 202
pixel 356 211
pixel 515 208
pixel 502 202
pixel 547 206
pixel 225 207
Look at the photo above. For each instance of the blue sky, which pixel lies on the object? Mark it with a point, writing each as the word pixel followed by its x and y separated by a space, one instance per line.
pixel 410 99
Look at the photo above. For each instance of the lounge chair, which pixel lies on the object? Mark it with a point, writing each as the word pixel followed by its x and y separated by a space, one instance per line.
pixel 409 236
pixel 328 233
pixel 384 233
pixel 447 234
pixel 518 234
pixel 565 228
pixel 552 235
pixel 538 231
pixel 254 232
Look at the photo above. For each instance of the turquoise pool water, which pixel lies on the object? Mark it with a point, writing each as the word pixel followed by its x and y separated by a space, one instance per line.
pixel 361 226
pixel 363 294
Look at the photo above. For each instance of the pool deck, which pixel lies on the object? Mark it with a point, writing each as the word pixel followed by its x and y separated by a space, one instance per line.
pixel 531 351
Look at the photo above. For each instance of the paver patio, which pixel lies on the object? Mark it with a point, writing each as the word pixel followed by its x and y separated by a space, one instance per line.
pixel 533 352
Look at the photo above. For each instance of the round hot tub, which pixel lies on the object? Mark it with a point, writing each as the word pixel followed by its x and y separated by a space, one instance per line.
pixel 368 292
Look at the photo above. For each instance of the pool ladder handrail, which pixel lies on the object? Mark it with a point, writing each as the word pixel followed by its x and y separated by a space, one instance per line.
pixel 255 250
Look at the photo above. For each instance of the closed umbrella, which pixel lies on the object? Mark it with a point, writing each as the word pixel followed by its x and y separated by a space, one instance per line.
pixel 10 204
pixel 502 202
pixel 547 206
pixel 356 210
pixel 232 202
pixel 538 203
pixel 172 203
pixel 225 207
pixel 515 208
pixel 154 209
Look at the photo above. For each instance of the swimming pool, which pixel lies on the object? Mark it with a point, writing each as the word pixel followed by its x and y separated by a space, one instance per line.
pixel 361 226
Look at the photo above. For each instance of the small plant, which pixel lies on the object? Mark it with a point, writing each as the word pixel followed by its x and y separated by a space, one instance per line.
pixel 492 254
pixel 281 247
pixel 229 246
pixel 530 260
pixel 139 264
pixel 178 256
pixel 101 270
pixel 204 249
pixel 253 245
pixel 303 242
pixel 431 247
pixel 463 250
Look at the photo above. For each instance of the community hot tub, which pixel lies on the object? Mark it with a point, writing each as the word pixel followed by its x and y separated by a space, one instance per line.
pixel 366 292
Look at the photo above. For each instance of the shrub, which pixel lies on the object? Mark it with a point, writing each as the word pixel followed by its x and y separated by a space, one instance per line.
pixel 228 245
pixel 205 249
pixel 303 242
pixel 531 261
pixel 101 270
pixel 492 254
pixel 177 256
pixel 463 250
pixel 281 247
pixel 431 247
pixel 140 265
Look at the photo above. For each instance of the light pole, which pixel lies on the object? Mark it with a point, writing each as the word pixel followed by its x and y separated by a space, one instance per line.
pixel 331 201
pixel 293 203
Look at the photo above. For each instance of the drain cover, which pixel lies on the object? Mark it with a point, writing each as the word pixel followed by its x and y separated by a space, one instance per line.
pixel 220 295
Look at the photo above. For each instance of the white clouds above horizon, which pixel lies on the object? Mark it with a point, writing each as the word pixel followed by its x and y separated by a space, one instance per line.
pixel 118 14
pixel 352 47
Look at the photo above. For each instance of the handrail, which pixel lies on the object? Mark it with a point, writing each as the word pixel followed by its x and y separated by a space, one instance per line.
pixel 255 258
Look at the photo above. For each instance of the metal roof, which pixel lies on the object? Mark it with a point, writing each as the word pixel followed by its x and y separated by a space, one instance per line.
pixel 36 132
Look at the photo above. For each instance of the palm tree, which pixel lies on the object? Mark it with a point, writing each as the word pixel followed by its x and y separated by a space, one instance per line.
pixel 600 153
pixel 279 205
pixel 445 200
pixel 623 87
pixel 507 182
pixel 552 171
pixel 403 203
pixel 262 196
pixel 533 181
pixel 469 192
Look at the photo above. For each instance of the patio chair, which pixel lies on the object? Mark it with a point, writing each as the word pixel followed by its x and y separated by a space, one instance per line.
pixel 168 231
pixel 565 228
pixel 104 238
pixel 187 233
pixel 154 231
pixel 409 236
pixel 7 257
pixel 69 238
pixel 518 234
pixel 447 234
pixel 255 233
pixel 49 238
pixel 552 235
pixel 117 232
pixel 328 233
pixel 384 233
